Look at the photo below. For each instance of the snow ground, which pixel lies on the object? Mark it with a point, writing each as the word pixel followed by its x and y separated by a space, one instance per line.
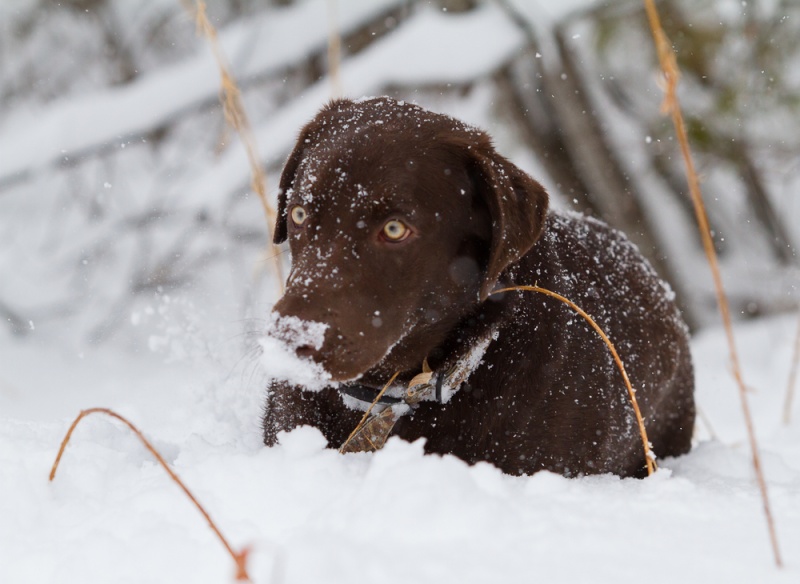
pixel 312 515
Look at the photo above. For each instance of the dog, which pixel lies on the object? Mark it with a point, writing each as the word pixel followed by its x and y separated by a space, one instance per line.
pixel 401 224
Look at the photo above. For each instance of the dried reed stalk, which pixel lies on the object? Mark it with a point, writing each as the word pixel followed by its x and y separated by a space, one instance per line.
pixel 787 406
pixel 236 117
pixel 240 558
pixel 707 421
pixel 334 50
pixel 649 456
pixel 671 105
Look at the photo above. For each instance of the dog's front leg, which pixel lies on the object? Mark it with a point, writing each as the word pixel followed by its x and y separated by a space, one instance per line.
pixel 288 407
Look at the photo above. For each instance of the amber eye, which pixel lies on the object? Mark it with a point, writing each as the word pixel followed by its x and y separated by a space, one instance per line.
pixel 395 230
pixel 299 215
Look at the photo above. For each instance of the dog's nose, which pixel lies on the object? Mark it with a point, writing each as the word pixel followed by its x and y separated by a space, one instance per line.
pixel 306 351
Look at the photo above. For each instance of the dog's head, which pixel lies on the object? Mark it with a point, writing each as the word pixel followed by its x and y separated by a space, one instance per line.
pixel 400 222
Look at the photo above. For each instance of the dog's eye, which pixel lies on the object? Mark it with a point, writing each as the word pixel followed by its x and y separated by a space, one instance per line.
pixel 395 230
pixel 299 215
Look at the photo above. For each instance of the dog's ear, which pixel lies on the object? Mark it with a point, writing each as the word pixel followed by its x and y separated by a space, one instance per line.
pixel 287 179
pixel 517 207
pixel 309 135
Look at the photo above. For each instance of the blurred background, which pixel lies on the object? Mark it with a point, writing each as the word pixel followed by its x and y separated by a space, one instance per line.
pixel 126 209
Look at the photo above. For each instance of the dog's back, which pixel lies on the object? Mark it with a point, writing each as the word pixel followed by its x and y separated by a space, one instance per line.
pixel 548 389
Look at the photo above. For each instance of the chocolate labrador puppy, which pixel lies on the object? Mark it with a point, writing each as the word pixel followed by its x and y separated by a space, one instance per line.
pixel 401 223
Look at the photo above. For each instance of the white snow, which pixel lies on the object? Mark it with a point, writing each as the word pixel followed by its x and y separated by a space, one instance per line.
pixel 279 360
pixel 312 515
pixel 258 47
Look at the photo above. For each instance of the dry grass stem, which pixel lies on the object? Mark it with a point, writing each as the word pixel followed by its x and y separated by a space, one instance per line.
pixel 236 117
pixel 365 418
pixel 671 106
pixel 240 558
pixel 787 406
pixel 707 423
pixel 334 50
pixel 648 453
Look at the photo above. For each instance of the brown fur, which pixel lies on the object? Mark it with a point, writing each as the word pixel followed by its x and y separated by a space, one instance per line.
pixel 547 394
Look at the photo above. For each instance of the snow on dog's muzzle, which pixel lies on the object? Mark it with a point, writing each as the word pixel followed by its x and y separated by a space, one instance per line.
pixel 286 347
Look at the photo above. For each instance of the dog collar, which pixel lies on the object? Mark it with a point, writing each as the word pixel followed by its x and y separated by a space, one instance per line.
pixel 439 389
pixel 366 394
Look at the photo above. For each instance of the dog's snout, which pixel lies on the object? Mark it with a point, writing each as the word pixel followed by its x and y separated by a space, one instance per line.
pixel 305 337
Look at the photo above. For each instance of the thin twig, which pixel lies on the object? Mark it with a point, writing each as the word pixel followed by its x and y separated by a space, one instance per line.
pixel 240 558
pixel 236 117
pixel 365 417
pixel 649 457
pixel 671 106
pixel 334 50
pixel 705 419
pixel 787 406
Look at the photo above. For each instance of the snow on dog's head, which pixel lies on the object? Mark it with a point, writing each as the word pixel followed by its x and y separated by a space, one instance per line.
pixel 279 360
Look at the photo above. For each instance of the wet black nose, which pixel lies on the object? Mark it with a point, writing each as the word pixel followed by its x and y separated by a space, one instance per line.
pixel 306 351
